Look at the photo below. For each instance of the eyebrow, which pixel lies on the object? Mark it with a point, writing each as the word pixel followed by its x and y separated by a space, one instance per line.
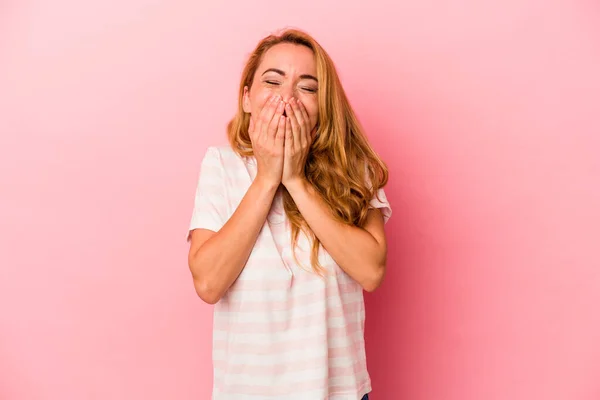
pixel 280 72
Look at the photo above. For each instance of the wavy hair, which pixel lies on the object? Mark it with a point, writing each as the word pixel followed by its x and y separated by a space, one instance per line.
pixel 342 166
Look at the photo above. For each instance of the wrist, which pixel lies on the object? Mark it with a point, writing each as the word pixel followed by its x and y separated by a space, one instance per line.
pixel 265 185
pixel 295 184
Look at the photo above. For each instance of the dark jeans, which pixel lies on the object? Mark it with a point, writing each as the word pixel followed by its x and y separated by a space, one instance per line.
pixel 365 397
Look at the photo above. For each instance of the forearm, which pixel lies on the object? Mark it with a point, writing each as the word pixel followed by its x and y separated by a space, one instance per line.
pixel 219 261
pixel 358 253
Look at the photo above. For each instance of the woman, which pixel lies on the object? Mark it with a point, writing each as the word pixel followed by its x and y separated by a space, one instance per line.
pixel 288 230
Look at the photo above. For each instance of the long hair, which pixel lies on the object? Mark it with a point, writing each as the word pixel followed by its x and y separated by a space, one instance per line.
pixel 342 166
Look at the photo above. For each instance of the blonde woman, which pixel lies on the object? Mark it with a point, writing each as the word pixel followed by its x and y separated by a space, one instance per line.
pixel 288 230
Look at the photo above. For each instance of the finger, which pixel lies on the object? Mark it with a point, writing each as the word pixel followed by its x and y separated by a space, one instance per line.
pixel 290 114
pixel 297 124
pixel 305 116
pixel 297 113
pixel 268 126
pixel 310 133
pixel 274 124
pixel 289 136
pixel 264 116
pixel 280 134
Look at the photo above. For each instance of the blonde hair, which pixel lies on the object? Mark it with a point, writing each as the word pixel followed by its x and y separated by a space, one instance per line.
pixel 342 166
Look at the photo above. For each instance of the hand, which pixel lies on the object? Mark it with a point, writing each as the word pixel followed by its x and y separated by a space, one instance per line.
pixel 267 135
pixel 298 139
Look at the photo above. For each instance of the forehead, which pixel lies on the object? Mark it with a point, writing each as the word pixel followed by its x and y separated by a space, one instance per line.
pixel 289 57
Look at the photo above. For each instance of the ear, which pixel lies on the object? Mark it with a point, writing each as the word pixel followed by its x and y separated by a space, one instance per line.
pixel 246 100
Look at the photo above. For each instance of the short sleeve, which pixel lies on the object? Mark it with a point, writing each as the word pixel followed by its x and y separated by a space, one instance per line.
pixel 380 201
pixel 209 203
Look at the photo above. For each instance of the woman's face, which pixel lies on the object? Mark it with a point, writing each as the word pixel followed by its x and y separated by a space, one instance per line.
pixel 288 70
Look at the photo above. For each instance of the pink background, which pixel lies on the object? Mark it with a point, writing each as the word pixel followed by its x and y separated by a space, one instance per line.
pixel 486 111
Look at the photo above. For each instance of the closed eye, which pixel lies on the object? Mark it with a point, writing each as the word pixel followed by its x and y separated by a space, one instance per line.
pixel 275 83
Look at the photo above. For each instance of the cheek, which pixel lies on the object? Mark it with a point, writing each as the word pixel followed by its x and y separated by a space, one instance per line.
pixel 313 113
pixel 312 108
pixel 258 99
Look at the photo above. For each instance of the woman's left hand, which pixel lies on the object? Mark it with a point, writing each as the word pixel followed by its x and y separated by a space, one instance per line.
pixel 298 139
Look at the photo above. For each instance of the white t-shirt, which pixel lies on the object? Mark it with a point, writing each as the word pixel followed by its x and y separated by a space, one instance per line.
pixel 281 331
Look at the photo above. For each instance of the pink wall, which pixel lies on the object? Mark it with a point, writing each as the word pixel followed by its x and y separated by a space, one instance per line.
pixel 488 113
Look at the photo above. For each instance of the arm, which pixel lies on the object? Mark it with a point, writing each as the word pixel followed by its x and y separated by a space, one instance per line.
pixel 220 250
pixel 217 259
pixel 360 252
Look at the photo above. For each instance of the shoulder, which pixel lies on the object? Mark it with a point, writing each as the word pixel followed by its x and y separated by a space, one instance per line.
pixel 225 156
pixel 223 151
pixel 214 153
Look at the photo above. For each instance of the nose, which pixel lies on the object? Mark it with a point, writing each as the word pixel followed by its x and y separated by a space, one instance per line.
pixel 286 92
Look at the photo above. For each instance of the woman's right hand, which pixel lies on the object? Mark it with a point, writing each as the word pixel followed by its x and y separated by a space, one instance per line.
pixel 267 135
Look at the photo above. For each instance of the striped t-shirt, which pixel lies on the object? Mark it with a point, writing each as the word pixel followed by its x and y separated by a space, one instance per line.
pixel 280 331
